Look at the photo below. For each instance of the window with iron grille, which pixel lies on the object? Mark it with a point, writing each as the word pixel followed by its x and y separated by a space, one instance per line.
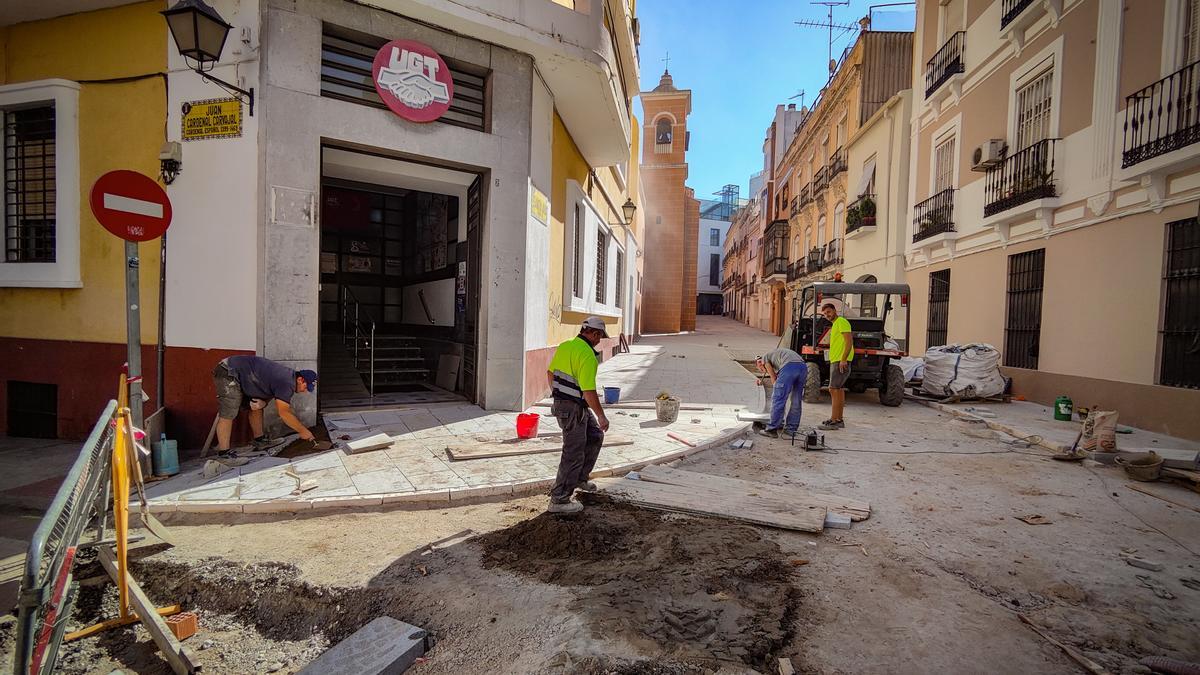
pixel 1033 110
pixel 346 63
pixel 943 165
pixel 619 281
pixel 29 184
pixel 1180 333
pixel 577 253
pixel 1023 317
pixel 939 309
pixel 601 266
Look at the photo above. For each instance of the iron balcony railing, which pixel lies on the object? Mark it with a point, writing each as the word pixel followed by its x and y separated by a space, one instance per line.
pixel 795 205
pixel 1010 9
pixel 813 262
pixel 773 266
pixel 820 181
pixel 837 163
pixel 832 254
pixel 1020 178
pixel 861 213
pixel 796 270
pixel 1163 117
pixel 946 63
pixel 806 194
pixel 934 215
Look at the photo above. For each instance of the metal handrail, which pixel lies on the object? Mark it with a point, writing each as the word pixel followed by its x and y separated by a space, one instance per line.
pixel 348 297
pixel 947 62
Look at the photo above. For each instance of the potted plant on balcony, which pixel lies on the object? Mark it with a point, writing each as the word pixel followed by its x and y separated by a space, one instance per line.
pixel 854 218
pixel 867 208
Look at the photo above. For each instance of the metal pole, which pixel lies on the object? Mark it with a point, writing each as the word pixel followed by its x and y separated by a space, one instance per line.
pixel 372 359
pixel 133 329
pixel 159 396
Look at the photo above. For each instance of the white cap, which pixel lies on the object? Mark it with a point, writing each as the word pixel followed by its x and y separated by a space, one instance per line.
pixel 596 323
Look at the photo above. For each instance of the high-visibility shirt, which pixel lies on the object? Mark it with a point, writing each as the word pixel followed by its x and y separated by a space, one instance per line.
pixel 574 369
pixel 837 340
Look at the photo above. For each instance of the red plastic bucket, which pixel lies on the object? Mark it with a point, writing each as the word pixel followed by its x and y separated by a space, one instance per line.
pixel 527 425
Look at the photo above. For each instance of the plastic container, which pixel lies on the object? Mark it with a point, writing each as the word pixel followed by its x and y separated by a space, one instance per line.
pixel 667 409
pixel 165 455
pixel 527 425
pixel 1146 468
pixel 1063 409
pixel 612 395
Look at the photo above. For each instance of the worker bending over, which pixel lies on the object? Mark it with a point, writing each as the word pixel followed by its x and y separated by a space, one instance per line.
pixel 840 354
pixel 572 379
pixel 787 371
pixel 251 382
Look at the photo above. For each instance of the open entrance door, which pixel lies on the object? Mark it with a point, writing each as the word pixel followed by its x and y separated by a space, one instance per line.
pixel 470 363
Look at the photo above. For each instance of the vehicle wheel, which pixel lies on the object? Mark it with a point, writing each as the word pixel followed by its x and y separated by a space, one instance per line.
pixel 892 392
pixel 857 386
pixel 812 384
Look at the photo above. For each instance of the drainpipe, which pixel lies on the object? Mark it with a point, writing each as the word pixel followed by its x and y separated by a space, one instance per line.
pixel 162 312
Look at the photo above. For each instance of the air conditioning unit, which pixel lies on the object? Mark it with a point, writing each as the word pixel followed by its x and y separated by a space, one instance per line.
pixel 988 155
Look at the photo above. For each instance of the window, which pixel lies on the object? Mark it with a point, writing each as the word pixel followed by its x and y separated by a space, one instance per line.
pixel 40 204
pixel 29 185
pixel 821 231
pixel 1180 333
pixel 714 269
pixel 943 165
pixel 618 300
pixel 1191 32
pixel 714 236
pixel 939 309
pixel 601 266
pixel 839 220
pixel 577 252
pixel 1033 110
pixel 1023 318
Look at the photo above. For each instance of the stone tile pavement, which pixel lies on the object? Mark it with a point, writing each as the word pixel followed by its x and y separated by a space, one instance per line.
pixel 698 367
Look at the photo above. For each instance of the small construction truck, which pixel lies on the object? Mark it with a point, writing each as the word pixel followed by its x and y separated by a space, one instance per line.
pixel 867 307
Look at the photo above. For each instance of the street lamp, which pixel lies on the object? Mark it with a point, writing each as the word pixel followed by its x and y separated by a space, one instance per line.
pixel 200 33
pixel 629 208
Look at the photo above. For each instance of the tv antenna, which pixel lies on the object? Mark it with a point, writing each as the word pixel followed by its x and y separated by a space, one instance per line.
pixel 829 25
pixel 799 95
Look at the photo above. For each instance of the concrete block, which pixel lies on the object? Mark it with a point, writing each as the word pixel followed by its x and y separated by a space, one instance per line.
pixel 170 506
pixel 345 502
pixel 532 486
pixel 836 521
pixel 215 506
pixel 384 646
pixel 276 506
pixel 481 491
pixel 418 497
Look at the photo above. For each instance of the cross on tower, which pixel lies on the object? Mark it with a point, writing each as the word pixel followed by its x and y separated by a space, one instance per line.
pixel 667 60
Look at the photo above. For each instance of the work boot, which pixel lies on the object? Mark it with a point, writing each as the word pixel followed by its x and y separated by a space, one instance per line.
pixel 833 424
pixel 769 433
pixel 262 442
pixel 563 508
pixel 587 486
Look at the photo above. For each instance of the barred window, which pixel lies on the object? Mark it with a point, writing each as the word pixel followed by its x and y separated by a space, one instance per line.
pixel 577 253
pixel 601 266
pixel 29 184
pixel 620 278
pixel 1033 110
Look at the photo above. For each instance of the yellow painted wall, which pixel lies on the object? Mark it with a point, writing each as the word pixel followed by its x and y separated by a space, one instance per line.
pixel 121 126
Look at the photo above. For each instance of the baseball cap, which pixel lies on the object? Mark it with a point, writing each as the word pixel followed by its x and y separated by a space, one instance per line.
pixel 310 378
pixel 596 323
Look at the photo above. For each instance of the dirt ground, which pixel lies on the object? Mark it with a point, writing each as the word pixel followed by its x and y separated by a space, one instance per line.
pixel 932 582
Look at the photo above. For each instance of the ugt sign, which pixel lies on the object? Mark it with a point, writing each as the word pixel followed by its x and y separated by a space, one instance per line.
pixel 412 80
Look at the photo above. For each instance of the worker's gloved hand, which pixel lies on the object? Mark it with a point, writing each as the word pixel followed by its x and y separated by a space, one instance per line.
pixel 307 435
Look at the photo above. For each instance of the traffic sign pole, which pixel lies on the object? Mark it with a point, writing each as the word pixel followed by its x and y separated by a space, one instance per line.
pixel 133 329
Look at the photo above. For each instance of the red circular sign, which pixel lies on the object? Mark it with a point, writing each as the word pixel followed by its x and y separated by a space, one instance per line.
pixel 413 80
pixel 130 205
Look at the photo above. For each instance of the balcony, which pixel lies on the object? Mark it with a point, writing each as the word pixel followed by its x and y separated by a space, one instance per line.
pixel 1016 16
pixel 860 216
pixel 837 163
pixel 934 216
pixel 945 64
pixel 796 270
pixel 775 252
pixel 795 206
pixel 806 195
pixel 831 254
pixel 812 262
pixel 820 181
pixel 1021 178
pixel 1163 117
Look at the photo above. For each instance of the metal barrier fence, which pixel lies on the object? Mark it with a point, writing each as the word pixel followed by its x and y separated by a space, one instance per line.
pixel 48 589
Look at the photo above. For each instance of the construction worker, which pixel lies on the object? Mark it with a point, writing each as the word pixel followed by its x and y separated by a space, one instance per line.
pixel 787 371
pixel 251 382
pixel 572 379
pixel 840 355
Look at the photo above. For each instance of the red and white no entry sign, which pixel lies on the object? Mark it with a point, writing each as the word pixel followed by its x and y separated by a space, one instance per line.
pixel 130 205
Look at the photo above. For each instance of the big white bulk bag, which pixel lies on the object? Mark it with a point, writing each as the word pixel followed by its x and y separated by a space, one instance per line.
pixel 968 371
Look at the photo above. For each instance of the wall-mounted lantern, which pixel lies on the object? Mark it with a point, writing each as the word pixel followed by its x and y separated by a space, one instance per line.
pixel 200 33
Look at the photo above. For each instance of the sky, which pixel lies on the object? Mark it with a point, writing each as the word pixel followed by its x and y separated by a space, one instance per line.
pixel 741 59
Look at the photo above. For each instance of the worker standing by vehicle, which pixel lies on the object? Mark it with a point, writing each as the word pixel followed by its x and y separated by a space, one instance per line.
pixel 787 371
pixel 840 354
pixel 572 379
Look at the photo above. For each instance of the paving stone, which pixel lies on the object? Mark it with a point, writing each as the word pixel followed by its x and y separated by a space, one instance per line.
pixel 381 481
pixel 444 480
pixel 345 502
pixel 224 491
pixel 418 496
pixel 384 646
pixel 481 491
pixel 374 460
pixel 326 460
pixel 277 506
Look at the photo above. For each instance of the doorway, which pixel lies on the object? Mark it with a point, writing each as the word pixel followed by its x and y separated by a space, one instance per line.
pixel 399 281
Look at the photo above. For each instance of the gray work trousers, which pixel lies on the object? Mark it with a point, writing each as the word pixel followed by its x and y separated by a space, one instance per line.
pixel 582 439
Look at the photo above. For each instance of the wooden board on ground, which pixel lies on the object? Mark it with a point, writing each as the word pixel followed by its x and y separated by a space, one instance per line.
pixel 376 442
pixel 1188 478
pixel 181 659
pixel 855 509
pixel 517 446
pixel 731 505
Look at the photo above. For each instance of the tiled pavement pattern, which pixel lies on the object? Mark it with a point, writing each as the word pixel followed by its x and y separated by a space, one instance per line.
pixel 416 470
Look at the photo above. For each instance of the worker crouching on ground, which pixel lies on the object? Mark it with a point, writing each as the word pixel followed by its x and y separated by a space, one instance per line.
pixel 841 354
pixel 787 371
pixel 572 379
pixel 251 382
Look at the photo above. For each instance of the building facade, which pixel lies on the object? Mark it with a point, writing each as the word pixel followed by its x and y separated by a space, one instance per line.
pixel 326 223
pixel 1055 181
pixel 672 212
pixel 715 217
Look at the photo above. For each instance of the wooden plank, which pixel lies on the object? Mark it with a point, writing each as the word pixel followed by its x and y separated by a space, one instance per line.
pixel 180 658
pixel 212 431
pixel 516 447
pixel 631 406
pixel 721 504
pixel 113 623
pixel 855 509
pixel 1088 664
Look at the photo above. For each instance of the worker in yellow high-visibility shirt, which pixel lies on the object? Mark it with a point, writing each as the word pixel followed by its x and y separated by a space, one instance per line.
pixel 572 379
pixel 840 354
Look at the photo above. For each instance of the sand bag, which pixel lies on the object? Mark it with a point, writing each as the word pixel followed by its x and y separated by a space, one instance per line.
pixel 1099 431
pixel 967 371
